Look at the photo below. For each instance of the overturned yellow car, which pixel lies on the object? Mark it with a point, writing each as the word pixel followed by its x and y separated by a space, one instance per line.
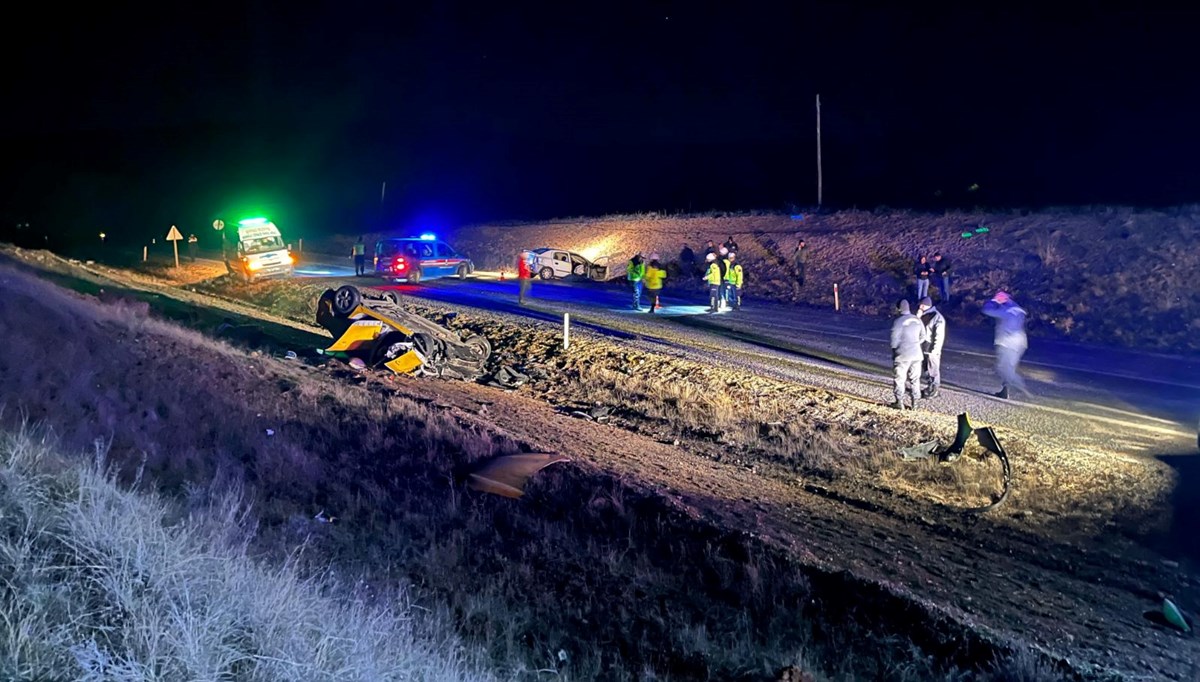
pixel 373 327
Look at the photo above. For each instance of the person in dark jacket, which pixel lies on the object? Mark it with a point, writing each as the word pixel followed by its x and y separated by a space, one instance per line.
pixel 908 335
pixel 687 261
pixel 1010 342
pixel 922 270
pixel 709 247
pixel 935 328
pixel 800 261
pixel 731 245
pixel 941 268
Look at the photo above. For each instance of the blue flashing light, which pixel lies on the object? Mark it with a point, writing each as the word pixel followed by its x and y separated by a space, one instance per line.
pixel 428 236
pixel 253 222
pixel 797 216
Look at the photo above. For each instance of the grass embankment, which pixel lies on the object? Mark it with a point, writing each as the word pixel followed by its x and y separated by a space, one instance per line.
pixel 101 582
pixel 591 576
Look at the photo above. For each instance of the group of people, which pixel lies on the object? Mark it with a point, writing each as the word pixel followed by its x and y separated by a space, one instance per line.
pixel 938 270
pixel 648 276
pixel 723 274
pixel 918 340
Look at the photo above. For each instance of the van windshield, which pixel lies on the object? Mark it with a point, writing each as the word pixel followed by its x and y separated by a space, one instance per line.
pixel 262 245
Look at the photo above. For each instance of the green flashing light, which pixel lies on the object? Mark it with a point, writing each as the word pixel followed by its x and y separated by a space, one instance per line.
pixel 981 230
pixel 968 235
pixel 252 222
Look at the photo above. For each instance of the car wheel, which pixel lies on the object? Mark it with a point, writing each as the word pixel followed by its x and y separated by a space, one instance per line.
pixel 546 273
pixel 392 297
pixel 462 271
pixel 346 299
pixel 480 347
pixel 414 276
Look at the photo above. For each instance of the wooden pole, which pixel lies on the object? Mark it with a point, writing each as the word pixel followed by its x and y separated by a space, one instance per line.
pixel 820 179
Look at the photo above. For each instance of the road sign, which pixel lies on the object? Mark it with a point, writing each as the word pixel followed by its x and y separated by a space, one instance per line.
pixel 174 236
pixel 218 224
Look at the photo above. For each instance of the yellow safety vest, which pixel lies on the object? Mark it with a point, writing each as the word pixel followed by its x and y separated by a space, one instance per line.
pixel 654 277
pixel 713 276
pixel 733 274
pixel 360 249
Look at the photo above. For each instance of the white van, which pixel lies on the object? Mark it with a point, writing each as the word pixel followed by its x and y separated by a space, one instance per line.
pixel 255 250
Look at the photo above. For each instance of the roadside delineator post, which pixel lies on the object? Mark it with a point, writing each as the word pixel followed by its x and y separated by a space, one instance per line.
pixel 301 249
pixel 566 330
pixel 145 253
pixel 837 306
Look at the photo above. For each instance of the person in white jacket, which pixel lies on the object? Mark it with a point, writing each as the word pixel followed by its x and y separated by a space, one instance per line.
pixel 935 326
pixel 908 336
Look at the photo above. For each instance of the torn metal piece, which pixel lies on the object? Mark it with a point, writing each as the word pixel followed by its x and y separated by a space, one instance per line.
pixel 920 451
pixel 507 475
pixel 987 439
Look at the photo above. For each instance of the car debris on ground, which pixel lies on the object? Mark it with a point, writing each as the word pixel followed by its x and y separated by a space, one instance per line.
pixel 507 475
pixel 986 437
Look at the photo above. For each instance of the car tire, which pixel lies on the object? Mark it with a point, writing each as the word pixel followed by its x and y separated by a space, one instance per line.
pixel 546 273
pixel 391 297
pixel 480 347
pixel 346 299
pixel 414 277
pixel 462 271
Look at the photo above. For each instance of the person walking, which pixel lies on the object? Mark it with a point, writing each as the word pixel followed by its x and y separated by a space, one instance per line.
pixel 687 261
pixel 1010 342
pixel 360 257
pixel 635 272
pixel 712 277
pixel 800 261
pixel 941 268
pixel 524 276
pixel 733 281
pixel 907 336
pixel 655 275
pixel 935 329
pixel 730 245
pixel 922 270
pixel 191 242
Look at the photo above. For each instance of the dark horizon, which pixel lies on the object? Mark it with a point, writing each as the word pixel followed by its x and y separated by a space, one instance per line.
pixel 128 121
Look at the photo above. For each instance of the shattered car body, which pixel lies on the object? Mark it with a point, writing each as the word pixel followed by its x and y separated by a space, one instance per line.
pixel 551 263
pixel 377 330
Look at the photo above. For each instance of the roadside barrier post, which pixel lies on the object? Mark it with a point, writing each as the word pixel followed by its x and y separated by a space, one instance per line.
pixel 145 250
pixel 566 330
pixel 837 306
pixel 301 250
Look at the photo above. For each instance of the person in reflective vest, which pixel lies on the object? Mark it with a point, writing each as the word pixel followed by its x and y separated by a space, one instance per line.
pixel 635 272
pixel 733 281
pixel 713 278
pixel 655 274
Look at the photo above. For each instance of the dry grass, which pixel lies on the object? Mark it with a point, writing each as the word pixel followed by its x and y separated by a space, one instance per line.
pixel 102 583
pixel 590 577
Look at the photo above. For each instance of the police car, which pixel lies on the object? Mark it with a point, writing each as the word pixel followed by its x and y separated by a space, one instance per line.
pixel 412 259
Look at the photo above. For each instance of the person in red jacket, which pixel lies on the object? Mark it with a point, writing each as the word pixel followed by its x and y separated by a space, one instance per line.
pixel 524 275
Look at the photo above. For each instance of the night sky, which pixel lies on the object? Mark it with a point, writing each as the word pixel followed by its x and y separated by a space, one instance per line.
pixel 135 118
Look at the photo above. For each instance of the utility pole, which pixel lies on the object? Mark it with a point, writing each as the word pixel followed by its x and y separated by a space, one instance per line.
pixel 820 180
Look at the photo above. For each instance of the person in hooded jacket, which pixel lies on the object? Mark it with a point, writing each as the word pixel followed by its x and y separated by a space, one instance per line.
pixel 1010 342
pixel 908 335
pixel 935 328
pixel 733 280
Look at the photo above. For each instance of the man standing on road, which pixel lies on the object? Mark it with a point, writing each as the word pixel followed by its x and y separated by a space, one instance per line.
pixel 655 274
pixel 192 240
pixel 687 261
pixel 1010 342
pixel 524 276
pixel 935 329
pixel 941 268
pixel 712 277
pixel 733 281
pixel 723 287
pixel 799 261
pixel 635 272
pixel 922 270
pixel 907 336
pixel 360 257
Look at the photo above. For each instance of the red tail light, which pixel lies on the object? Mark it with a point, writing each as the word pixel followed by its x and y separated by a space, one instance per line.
pixel 399 264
